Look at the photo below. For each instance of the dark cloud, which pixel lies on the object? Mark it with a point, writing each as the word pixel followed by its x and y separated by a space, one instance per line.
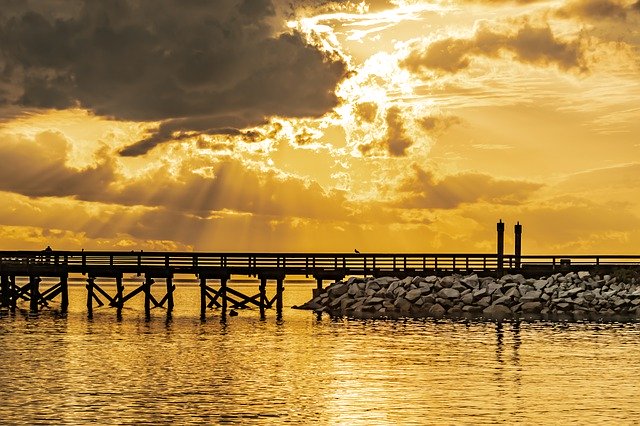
pixel 528 44
pixel 598 9
pixel 395 142
pixel 193 64
pixel 423 191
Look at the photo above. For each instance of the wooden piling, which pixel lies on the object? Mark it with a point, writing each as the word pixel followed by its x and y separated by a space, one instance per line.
pixel 4 285
pixel 34 288
pixel 203 298
pixel 12 293
pixel 170 289
pixel 90 296
pixel 148 281
pixel 64 293
pixel 223 295
pixel 263 296
pixel 279 290
pixel 119 293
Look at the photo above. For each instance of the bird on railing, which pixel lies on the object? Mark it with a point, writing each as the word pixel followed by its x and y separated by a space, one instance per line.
pixel 356 250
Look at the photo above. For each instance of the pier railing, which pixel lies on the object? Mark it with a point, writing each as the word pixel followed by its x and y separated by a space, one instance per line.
pixel 300 263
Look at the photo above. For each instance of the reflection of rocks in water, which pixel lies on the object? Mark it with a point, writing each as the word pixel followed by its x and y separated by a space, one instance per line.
pixel 575 296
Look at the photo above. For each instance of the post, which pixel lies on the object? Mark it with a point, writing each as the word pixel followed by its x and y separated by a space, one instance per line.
pixel 12 292
pixel 169 294
pixel 500 228
pixel 34 286
pixel 64 288
pixel 4 283
pixel 318 290
pixel 203 298
pixel 147 296
pixel 518 244
pixel 279 290
pixel 119 293
pixel 223 295
pixel 263 296
pixel 90 282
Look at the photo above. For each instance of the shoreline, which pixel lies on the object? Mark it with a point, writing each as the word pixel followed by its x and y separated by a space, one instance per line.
pixel 571 297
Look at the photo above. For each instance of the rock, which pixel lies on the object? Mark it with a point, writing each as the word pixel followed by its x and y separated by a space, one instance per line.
pixel 431 279
pixel 449 293
pixel 479 292
pixel 467 299
pixel 531 296
pixel 447 282
pixel 540 284
pixel 583 275
pixel 492 287
pixel 470 281
pixel 375 300
pixel 531 307
pixel 413 295
pixel 384 280
pixel 484 302
pixel 504 300
pixel 403 305
pixel 512 293
pixel 437 311
pixel 497 312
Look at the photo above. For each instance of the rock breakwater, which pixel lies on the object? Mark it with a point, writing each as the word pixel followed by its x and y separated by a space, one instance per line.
pixel 574 296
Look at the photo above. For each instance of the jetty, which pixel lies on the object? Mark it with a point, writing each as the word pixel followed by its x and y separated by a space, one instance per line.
pixel 22 272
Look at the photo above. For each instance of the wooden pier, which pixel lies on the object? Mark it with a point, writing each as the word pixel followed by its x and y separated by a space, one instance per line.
pixel 214 271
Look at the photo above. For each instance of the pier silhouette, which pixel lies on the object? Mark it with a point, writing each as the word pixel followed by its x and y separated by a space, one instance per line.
pixel 214 271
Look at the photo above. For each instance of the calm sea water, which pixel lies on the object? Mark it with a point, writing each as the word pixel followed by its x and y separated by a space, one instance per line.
pixel 301 370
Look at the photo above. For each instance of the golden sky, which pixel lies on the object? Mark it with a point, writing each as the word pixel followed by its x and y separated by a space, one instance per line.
pixel 316 125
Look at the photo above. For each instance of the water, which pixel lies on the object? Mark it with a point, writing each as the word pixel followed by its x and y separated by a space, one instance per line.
pixel 303 370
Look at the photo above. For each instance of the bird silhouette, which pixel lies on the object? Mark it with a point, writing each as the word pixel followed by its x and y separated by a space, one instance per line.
pixel 357 252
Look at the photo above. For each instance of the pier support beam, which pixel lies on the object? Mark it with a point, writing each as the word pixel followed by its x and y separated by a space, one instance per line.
pixel 6 291
pixel 148 281
pixel 263 296
pixel 203 298
pixel 64 293
pixel 170 289
pixel 500 248
pixel 34 290
pixel 279 291
pixel 90 296
pixel 223 296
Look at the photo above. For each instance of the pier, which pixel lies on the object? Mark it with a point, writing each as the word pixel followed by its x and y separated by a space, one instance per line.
pixel 215 270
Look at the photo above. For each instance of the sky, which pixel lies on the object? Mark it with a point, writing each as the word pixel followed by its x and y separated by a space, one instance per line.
pixel 320 126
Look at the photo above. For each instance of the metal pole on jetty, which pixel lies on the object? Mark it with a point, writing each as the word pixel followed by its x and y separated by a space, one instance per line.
pixel 500 228
pixel 263 296
pixel 90 283
pixel 518 244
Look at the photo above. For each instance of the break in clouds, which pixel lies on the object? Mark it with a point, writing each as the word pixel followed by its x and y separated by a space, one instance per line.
pixel 193 65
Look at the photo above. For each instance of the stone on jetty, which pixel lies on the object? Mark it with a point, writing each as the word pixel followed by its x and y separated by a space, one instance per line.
pixel 580 296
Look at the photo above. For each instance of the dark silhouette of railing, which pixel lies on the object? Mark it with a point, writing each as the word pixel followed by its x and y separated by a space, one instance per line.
pixel 298 263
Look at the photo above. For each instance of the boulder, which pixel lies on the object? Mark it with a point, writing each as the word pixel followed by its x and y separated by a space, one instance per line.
pixel 467 299
pixel 531 307
pixel 437 311
pixel 479 292
pixel 531 296
pixel 449 293
pixel 497 312
pixel 583 275
pixel 413 295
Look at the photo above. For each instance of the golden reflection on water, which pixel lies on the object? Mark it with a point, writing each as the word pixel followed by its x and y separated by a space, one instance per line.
pixel 300 370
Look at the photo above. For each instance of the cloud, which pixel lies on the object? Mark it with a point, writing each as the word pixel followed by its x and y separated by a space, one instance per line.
pixel 191 64
pixel 395 142
pixel 37 168
pixel 423 191
pixel 598 9
pixel 529 44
